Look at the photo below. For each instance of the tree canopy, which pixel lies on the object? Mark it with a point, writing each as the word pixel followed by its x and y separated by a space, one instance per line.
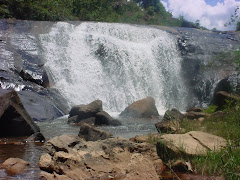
pixel 125 11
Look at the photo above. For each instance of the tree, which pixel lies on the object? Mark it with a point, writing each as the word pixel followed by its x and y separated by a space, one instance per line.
pixel 235 19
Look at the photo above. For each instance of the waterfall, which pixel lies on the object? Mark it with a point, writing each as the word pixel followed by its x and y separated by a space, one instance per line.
pixel 116 63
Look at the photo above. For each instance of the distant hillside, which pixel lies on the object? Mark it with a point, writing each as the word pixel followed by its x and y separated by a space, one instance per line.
pixel 124 11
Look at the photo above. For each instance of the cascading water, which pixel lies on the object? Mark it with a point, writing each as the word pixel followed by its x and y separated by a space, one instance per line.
pixel 115 63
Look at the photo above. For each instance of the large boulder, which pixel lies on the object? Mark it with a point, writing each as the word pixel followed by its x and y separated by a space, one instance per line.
pixel 144 108
pixel 14 119
pixel 86 111
pixel 90 133
pixel 192 143
pixel 91 114
pixel 71 157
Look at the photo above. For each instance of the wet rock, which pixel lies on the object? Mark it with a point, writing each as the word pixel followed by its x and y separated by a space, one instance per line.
pixel 220 99
pixel 144 108
pixel 36 137
pixel 191 143
pixel 90 133
pixel 174 114
pixel 14 119
pixel 113 158
pixel 42 106
pixel 14 166
pixel 38 78
pixel 103 118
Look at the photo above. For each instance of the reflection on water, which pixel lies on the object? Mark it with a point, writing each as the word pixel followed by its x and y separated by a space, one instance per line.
pixel 31 152
pixel 17 147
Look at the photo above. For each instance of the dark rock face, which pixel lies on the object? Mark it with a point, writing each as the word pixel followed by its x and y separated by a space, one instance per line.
pixel 90 133
pixel 200 48
pixel 230 85
pixel 22 69
pixel 14 119
pixel 103 118
pixel 144 108
pixel 220 99
pixel 174 114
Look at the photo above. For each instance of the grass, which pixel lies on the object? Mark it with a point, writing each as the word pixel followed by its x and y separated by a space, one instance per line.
pixel 226 124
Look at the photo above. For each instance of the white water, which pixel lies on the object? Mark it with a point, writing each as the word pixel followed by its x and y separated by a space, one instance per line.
pixel 115 63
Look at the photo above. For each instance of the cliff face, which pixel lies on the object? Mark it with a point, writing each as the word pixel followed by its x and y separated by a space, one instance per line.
pixel 22 64
pixel 206 59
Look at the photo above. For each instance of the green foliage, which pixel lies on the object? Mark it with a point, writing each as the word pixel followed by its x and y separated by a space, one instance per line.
pixel 4 12
pixel 225 124
pixel 133 11
pixel 235 19
pixel 226 162
pixel 238 26
pixel 211 109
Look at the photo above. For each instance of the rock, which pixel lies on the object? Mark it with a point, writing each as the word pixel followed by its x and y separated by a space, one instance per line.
pixel 14 119
pixel 181 166
pixel 36 137
pixel 195 109
pixel 144 108
pixel 74 120
pixel 48 176
pixel 14 165
pixel 174 114
pixel 191 143
pixel 42 106
pixel 112 158
pixel 220 99
pixel 90 133
pixel 195 115
pixel 231 84
pixel 168 126
pixel 85 111
pixel 46 163
pixel 103 118
pixel 145 138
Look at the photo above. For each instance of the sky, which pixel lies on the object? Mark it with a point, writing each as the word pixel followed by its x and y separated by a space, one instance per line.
pixel 211 13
